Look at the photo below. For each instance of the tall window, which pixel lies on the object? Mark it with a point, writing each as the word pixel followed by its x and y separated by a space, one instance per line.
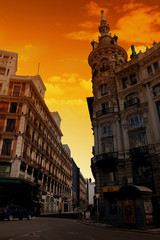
pixel 158 108
pixel 13 107
pixel 124 82
pixel 103 89
pixel 156 66
pixel 16 91
pixel 107 130
pixel 149 69
pixel 2 71
pixel 6 149
pixel 135 122
pixel 138 140
pixel 10 127
pixel 107 147
pixel 156 90
pixel 133 79
pixel 105 106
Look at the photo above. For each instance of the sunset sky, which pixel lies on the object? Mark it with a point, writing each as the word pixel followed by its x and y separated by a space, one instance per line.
pixel 57 34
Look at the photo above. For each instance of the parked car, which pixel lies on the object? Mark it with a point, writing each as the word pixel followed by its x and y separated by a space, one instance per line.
pixel 12 211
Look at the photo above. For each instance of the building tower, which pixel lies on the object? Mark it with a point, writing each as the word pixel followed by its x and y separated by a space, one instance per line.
pixel 125 116
pixel 105 56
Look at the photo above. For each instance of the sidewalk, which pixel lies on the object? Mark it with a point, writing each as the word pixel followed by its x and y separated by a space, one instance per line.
pixel 111 227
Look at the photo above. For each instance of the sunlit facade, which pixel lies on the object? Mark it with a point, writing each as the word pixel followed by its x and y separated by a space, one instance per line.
pixel 35 168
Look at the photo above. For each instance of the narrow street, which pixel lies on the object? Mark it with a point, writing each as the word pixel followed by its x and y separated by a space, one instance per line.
pixel 63 229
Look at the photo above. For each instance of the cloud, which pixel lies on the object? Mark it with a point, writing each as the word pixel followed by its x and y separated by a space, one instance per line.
pixel 93 9
pixel 79 35
pixel 67 84
pixel 86 84
pixel 139 24
pixel 29 46
pixel 22 58
pixel 53 90
pixel 65 78
pixel 82 35
pixel 68 109
pixel 88 24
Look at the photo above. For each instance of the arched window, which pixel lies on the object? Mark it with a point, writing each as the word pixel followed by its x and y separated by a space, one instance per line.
pixel 156 90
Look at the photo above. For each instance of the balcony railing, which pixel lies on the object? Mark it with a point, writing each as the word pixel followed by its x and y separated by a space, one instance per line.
pixel 131 102
pixel 106 156
pixel 104 111
pixel 139 150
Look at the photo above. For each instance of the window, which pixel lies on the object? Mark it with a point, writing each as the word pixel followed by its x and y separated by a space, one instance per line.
pixel 107 147
pixel 156 66
pixel 133 79
pixel 158 108
pixel 156 90
pixel 6 149
pixel 131 99
pixel 13 107
pixel 124 82
pixel 2 70
pixel 103 89
pixel 138 140
pixel 149 69
pixel 0 86
pixel 10 127
pixel 135 122
pixel 105 106
pixel 107 130
pixel 16 91
pixel 22 167
pixel 5 168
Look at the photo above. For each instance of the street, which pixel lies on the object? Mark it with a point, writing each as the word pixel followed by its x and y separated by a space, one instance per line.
pixel 63 229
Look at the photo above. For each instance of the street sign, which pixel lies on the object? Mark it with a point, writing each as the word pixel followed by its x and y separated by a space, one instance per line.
pixel 97 195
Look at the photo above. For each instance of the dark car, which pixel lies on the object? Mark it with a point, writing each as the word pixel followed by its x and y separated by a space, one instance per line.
pixel 12 211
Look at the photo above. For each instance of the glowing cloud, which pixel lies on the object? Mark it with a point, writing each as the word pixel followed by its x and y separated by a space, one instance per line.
pixel 139 23
pixel 93 9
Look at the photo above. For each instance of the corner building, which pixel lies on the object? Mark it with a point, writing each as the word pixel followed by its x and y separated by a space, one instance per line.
pixel 35 168
pixel 125 115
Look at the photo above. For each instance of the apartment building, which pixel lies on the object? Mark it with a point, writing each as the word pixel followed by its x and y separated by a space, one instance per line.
pixel 125 116
pixel 35 168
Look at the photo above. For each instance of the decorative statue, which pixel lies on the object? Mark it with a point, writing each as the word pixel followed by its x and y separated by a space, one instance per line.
pixel 117 60
pixel 133 51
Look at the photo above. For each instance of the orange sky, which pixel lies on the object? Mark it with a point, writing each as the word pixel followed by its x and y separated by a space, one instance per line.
pixel 58 34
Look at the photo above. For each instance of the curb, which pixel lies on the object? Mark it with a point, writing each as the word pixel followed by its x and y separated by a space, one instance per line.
pixel 110 227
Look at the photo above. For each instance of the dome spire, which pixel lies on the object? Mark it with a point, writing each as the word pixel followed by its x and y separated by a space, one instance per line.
pixel 102 15
pixel 103 28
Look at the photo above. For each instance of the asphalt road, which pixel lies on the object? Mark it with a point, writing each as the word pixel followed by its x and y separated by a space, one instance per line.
pixel 63 229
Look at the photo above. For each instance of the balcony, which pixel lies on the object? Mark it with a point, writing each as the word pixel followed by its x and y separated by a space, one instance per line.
pixel 139 151
pixel 104 111
pixel 131 102
pixel 105 156
pixel 107 160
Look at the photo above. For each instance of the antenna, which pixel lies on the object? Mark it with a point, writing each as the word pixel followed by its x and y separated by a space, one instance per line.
pixel 38 69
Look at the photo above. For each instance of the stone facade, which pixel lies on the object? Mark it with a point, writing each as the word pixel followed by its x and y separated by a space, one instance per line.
pixel 35 169
pixel 125 115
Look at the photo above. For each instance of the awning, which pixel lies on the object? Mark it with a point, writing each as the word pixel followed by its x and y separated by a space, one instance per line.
pixel 38 202
pixel 10 180
pixel 111 189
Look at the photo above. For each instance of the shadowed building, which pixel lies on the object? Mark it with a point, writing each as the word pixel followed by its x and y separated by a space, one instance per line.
pixel 125 115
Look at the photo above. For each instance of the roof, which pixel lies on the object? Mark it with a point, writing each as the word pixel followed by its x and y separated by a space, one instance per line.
pixel 142 188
